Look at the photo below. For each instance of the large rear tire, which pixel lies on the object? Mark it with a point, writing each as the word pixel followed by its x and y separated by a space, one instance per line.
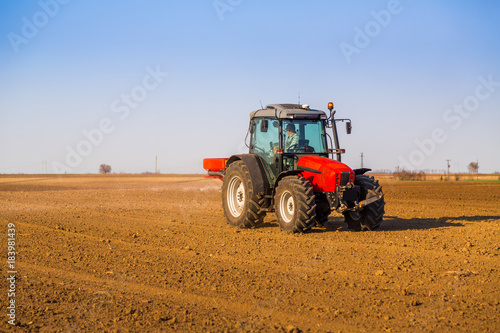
pixel 372 215
pixel 242 207
pixel 295 205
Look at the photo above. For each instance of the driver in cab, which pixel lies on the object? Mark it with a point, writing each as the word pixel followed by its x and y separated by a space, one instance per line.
pixel 292 141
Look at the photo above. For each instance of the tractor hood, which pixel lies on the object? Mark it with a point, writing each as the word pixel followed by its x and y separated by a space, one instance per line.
pixel 325 174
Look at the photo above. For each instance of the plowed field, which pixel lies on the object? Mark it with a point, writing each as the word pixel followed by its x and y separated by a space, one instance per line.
pixel 154 253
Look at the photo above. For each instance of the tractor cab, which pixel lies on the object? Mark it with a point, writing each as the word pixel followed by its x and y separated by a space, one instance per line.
pixel 282 133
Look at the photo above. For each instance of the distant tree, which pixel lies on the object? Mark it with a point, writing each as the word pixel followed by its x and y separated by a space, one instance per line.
pixel 104 169
pixel 473 167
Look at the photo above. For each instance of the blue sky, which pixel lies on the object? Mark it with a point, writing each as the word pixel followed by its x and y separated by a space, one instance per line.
pixel 196 69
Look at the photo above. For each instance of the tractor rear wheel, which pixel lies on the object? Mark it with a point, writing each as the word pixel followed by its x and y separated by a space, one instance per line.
pixel 242 207
pixel 372 215
pixel 295 205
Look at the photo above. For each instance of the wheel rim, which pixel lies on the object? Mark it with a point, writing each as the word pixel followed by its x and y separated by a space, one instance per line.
pixel 236 196
pixel 355 215
pixel 287 207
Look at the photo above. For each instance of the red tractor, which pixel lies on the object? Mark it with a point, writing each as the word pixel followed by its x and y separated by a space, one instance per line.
pixel 288 171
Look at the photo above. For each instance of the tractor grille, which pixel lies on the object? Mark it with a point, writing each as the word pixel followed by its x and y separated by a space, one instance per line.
pixel 344 178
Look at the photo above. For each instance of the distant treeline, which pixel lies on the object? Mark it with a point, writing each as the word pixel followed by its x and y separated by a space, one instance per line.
pixel 403 174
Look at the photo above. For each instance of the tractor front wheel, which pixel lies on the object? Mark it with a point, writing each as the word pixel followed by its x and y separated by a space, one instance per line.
pixel 323 209
pixel 295 204
pixel 242 207
pixel 372 215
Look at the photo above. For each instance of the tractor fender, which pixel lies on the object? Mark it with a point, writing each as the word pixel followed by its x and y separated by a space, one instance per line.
pixel 283 175
pixel 361 171
pixel 260 182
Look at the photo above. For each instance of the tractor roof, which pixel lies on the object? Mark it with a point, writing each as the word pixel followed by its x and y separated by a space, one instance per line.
pixel 281 111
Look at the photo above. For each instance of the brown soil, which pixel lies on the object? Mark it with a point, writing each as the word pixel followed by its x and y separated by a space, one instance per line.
pixel 154 253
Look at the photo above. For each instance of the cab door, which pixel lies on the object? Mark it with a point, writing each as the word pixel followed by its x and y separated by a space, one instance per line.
pixel 264 142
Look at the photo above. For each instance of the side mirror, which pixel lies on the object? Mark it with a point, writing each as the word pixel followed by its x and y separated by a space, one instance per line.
pixel 252 126
pixel 264 125
pixel 348 127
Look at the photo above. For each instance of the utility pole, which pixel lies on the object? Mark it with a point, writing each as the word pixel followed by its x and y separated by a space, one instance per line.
pixel 448 168
pixel 362 160
pixel 156 164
